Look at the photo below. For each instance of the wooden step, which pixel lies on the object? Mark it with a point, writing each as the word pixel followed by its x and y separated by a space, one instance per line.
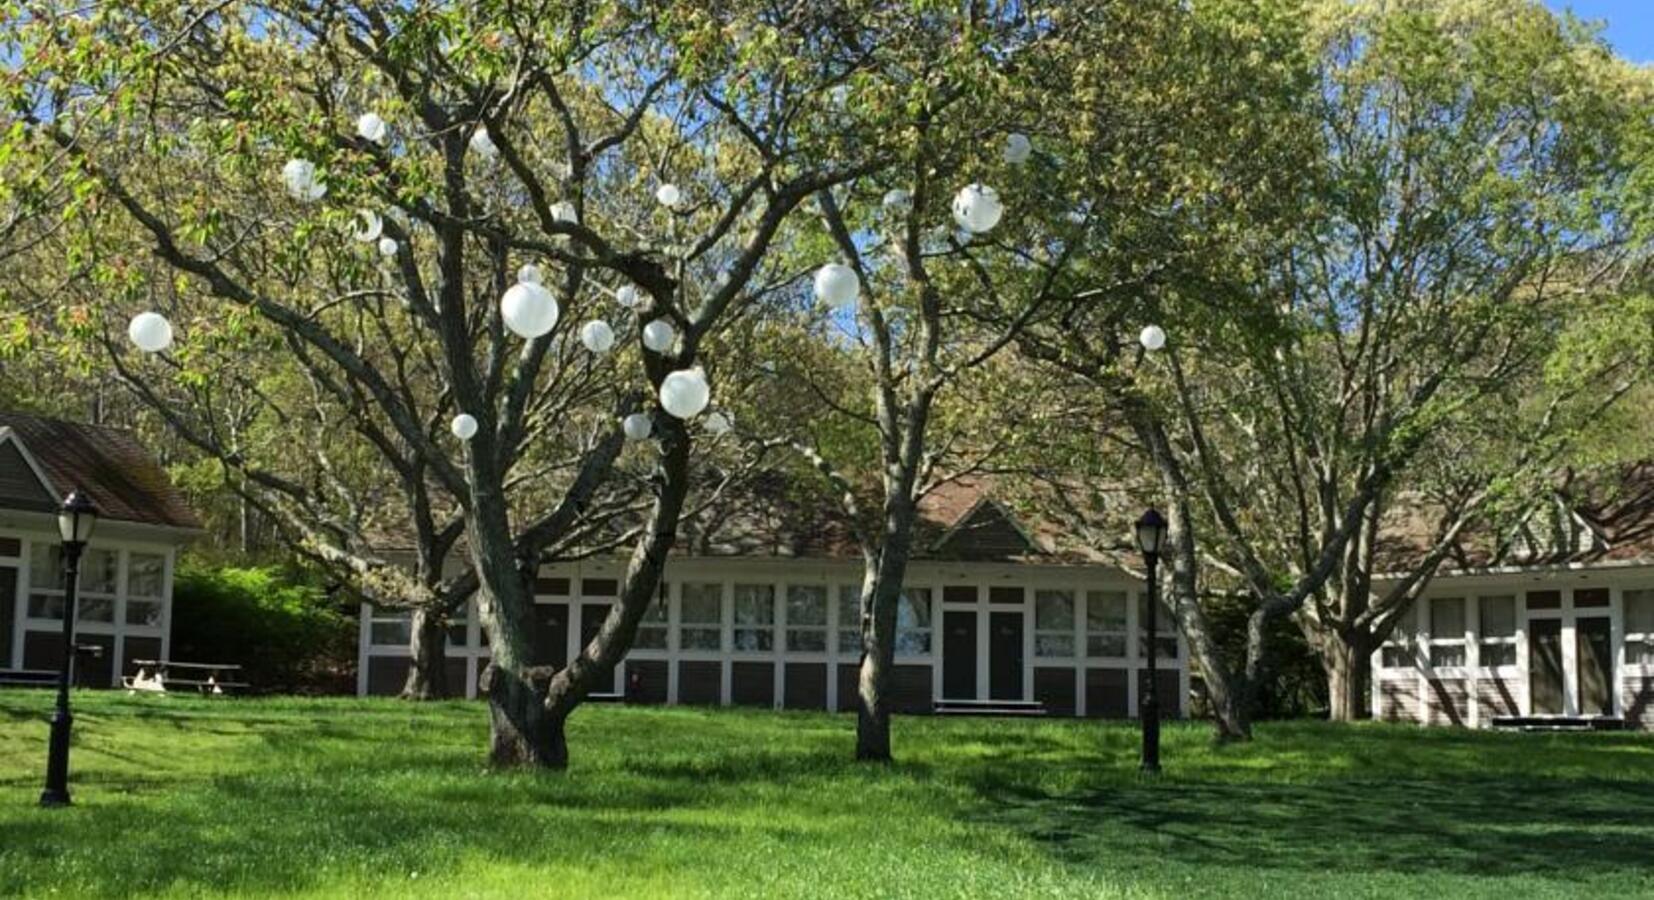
pixel 1560 723
pixel 27 678
pixel 989 708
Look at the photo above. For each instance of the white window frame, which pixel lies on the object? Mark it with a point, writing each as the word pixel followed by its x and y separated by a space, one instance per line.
pixel 716 624
pixel 1071 633
pixel 758 629
pixel 825 592
pixel 1513 640
pixel 1646 638
pixel 1098 597
pixel 1461 640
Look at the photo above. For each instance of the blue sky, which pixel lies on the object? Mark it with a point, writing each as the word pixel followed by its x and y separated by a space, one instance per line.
pixel 1630 23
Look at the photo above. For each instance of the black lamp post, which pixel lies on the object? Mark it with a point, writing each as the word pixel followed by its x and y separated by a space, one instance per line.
pixel 1151 535
pixel 74 524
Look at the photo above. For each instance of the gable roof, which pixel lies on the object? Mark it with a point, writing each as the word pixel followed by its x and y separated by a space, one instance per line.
pixel 108 464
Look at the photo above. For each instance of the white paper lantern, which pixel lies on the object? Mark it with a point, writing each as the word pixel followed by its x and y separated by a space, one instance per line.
pixel 629 297
pixel 483 145
pixel 1152 338
pixel 387 246
pixel 597 336
pixel 529 310
pixel 668 195
pixel 530 274
pixel 977 208
pixel 837 286
pixel 368 226
pixel 718 423
pixel 896 198
pixel 302 181
pixel 372 128
pixel 564 211
pixel 1018 148
pixel 150 331
pixel 658 335
pixel 464 426
pixel 685 393
pixel 637 426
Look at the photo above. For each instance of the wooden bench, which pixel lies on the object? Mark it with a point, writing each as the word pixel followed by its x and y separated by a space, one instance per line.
pixel 162 676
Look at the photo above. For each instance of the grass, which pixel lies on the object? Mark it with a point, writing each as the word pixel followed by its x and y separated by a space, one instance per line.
pixel 179 796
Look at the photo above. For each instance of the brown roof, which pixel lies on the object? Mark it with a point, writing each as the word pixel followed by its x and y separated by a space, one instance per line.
pixel 108 464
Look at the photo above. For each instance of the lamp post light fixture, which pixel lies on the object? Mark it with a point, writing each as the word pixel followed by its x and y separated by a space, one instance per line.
pixel 1151 537
pixel 75 520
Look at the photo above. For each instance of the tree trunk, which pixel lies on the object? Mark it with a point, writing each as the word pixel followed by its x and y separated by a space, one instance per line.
pixel 880 599
pixel 522 733
pixel 428 661
pixel 1348 665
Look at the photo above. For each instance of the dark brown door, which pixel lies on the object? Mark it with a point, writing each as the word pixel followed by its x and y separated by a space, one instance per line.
pixel 551 634
pixel 1545 667
pixel 1594 654
pixel 1005 656
pixel 959 655
pixel 8 615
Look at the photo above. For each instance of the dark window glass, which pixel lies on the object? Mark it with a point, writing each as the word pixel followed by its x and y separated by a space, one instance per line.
pixel 599 587
pixel 1005 595
pixel 1544 600
pixel 959 593
pixel 1591 597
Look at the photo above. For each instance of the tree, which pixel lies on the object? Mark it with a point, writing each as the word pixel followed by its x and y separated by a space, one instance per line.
pixel 527 133
pixel 1468 201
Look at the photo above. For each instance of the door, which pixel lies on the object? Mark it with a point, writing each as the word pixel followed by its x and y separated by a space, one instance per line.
pixel 551 634
pixel 1005 656
pixel 591 621
pixel 1594 654
pixel 959 655
pixel 8 614
pixel 1545 667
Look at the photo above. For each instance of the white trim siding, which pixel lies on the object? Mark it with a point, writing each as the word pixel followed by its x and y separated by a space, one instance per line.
pixel 832 578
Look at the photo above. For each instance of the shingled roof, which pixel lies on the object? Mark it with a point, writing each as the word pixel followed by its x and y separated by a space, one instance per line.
pixel 108 464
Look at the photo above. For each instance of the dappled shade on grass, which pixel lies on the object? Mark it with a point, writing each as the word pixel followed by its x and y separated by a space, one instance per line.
pixel 342 797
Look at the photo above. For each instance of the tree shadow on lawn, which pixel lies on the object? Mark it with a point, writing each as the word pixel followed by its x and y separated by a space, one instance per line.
pixel 1460 826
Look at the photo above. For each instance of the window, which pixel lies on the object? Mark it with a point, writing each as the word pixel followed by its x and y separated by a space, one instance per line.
pixel 1497 634
pixel 459 626
pixel 99 581
pixel 700 617
pixel 651 630
pixel 1400 650
pixel 1639 628
pixel 1105 623
pixel 145 586
pixel 599 587
pixel 849 620
pixel 806 618
pixel 755 618
pixel 1053 623
pixel 1165 629
pixel 1447 637
pixel 390 627
pixel 913 622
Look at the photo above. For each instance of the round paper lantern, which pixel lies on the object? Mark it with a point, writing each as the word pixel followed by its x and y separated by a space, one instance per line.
pixel 896 198
pixel 464 426
pixel 637 426
pixel 1152 338
pixel 483 145
pixel 629 297
pixel 372 128
pixel 977 208
pixel 685 393
pixel 303 184
pixel 837 286
pixel 387 246
pixel 530 274
pixel 718 423
pixel 668 195
pixel 597 336
pixel 150 331
pixel 1018 148
pixel 563 211
pixel 529 310
pixel 368 226
pixel 658 335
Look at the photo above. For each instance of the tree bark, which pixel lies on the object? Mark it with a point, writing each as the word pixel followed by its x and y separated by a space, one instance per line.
pixel 427 657
pixel 1348 666
pixel 880 598
pixel 522 733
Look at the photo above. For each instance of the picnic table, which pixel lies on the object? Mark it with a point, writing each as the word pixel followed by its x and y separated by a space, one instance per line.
pixel 161 676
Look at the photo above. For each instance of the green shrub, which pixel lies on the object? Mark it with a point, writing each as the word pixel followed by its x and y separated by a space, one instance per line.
pixel 287 634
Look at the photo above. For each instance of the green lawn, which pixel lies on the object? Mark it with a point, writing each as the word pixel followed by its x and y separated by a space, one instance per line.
pixel 344 797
